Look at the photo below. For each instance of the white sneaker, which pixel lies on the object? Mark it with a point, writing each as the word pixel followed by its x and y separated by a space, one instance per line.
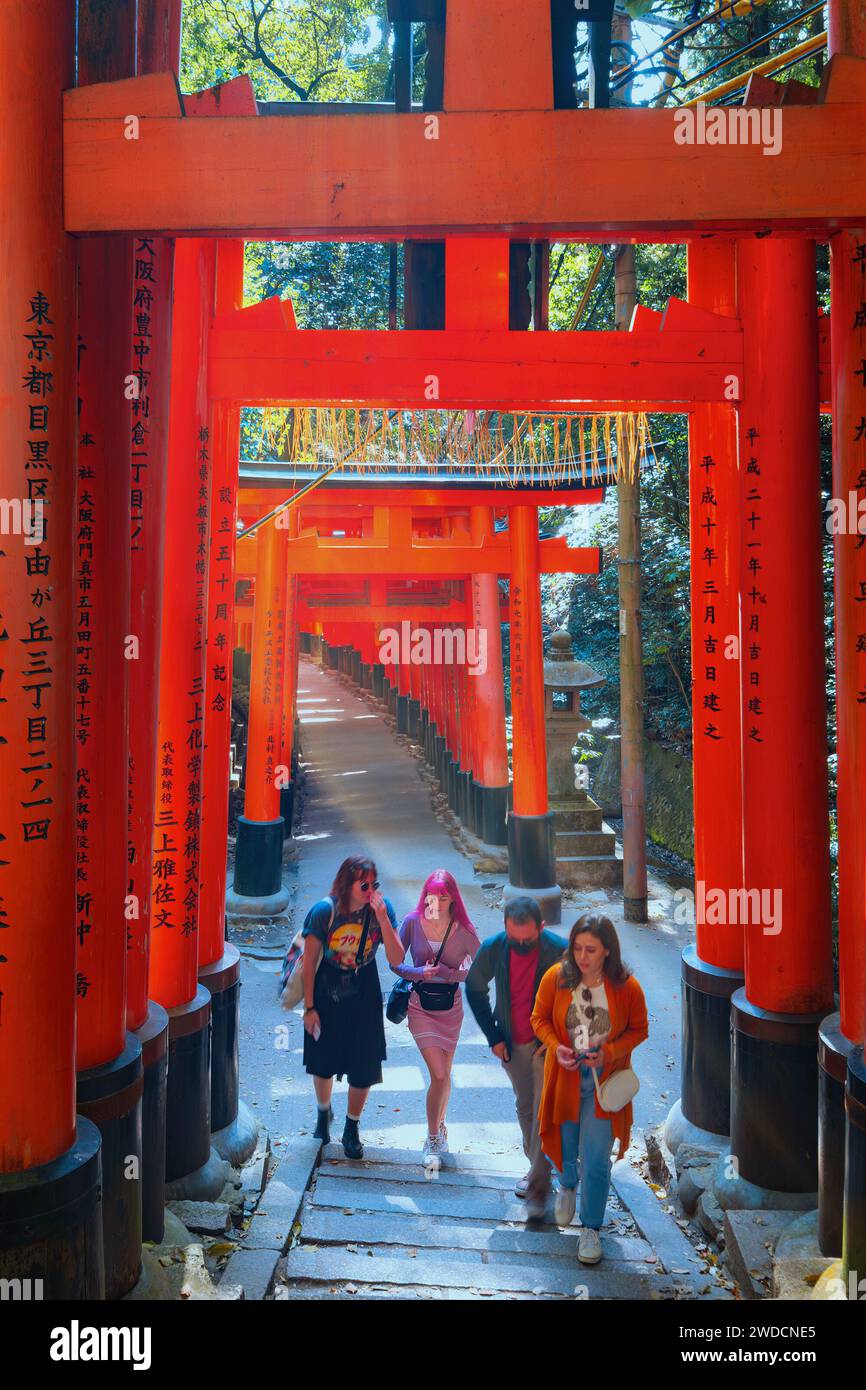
pixel 521 1187
pixel 589 1246
pixel 566 1201
pixel 442 1136
pixel 430 1152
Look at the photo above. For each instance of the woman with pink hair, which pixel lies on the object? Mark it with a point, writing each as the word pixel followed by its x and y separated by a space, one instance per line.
pixel 441 942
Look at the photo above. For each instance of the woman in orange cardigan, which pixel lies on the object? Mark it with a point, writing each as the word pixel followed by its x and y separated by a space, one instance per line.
pixel 589 1014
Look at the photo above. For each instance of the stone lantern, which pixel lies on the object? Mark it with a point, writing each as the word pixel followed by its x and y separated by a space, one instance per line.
pixel 585 846
pixel 564 678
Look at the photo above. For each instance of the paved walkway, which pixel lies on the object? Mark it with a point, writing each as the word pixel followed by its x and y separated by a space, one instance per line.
pixel 364 795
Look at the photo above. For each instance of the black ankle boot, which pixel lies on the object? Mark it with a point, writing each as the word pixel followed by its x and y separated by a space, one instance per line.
pixel 323 1126
pixel 352 1146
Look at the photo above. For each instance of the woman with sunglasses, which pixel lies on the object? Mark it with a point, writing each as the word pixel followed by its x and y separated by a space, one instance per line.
pixel 589 1013
pixel 441 942
pixel 344 1028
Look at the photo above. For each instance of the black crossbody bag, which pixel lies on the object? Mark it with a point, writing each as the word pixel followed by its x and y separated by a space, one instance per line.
pixel 439 997
pixel 343 985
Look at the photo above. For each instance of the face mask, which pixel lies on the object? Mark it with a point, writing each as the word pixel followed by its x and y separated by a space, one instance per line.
pixel 523 948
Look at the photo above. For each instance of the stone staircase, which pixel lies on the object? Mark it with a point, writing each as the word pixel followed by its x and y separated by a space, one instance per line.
pixel 585 846
pixel 380 1229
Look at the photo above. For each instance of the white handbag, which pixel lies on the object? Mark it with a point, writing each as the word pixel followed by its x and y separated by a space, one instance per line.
pixel 618 1090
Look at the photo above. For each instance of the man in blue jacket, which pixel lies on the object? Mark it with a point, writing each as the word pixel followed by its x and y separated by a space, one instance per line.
pixel 516 959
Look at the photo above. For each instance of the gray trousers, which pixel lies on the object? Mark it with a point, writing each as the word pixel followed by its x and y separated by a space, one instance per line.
pixel 525 1071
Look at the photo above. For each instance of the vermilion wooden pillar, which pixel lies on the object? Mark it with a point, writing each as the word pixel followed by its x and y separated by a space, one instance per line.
pixel 110 1071
pixel 149 358
pixel 233 1127
pixel 491 752
pixel 842 1031
pixel 531 838
pixel 712 969
pixel 789 981
pixel 847 35
pixel 49 1168
pixel 180 739
pixel 258 886
pixel 288 752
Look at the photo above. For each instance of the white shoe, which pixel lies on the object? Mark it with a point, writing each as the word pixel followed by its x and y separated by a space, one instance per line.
pixel 521 1187
pixel 589 1246
pixel 430 1152
pixel 566 1201
pixel 442 1136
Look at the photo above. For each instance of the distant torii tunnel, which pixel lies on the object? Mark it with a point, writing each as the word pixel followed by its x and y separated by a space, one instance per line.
pixel 124 260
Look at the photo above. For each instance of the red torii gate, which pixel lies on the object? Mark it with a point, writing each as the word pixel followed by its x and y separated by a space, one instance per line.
pixel 255 175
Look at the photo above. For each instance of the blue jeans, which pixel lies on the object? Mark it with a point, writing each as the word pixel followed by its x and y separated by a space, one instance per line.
pixel 587 1142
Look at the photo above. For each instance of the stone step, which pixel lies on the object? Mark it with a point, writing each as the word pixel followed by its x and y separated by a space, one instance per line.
pixel 585 816
pixel 418 1198
pixel 580 843
pixel 326 1226
pixel 618 1280
pixel 505 1165
pixel 589 871
pixel 445 1177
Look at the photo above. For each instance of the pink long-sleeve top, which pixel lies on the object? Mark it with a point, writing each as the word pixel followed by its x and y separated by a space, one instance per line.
pixel 456 958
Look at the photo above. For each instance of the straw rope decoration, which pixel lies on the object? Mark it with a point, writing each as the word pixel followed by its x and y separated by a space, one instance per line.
pixel 507 449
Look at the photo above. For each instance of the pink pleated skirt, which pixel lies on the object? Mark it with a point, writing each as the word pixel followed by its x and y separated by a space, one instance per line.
pixel 436 1029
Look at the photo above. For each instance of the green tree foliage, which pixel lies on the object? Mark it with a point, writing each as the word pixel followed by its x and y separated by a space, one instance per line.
pixel 293 50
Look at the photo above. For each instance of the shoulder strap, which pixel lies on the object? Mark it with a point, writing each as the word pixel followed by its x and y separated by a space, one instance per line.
pixel 444 939
pixel 359 955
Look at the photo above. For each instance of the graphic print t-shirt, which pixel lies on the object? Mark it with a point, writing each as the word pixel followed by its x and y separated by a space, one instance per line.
pixel 340 944
pixel 591 1013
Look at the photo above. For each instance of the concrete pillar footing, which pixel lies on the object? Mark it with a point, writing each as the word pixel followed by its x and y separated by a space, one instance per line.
pixel 237 1141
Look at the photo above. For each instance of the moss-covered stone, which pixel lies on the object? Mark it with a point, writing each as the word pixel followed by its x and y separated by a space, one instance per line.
pixel 669 810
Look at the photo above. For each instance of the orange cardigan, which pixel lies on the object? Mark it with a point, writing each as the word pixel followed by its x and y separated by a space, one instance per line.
pixel 560 1099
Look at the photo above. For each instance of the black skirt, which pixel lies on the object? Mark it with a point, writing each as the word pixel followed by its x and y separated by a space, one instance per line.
pixel 352 1041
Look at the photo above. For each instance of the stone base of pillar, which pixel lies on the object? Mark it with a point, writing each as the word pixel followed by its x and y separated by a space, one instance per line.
pixel 463 795
pixel 332 657
pixel 222 980
pixel 854 1245
pixel 51 1224
pixel 378 675
pixel 491 812
pixel 833 1051
pixel 258 864
pixel 469 803
pixel 423 727
pixel 203 1185
pixel 287 809
pixel 305 641
pixel 110 1097
pixel 355 665
pixel 402 714
pixel 366 676
pixel 392 699
pixel 733 1192
pixel 450 784
pixel 187 1114
pixel 414 715
pixel 706 1046
pixel 153 1036
pixel 774 1096
pixel 678 1130
pixel 439 751
pixel 531 864
pixel 237 1141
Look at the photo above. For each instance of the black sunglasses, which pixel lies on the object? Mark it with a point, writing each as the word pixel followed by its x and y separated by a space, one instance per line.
pixel 366 884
